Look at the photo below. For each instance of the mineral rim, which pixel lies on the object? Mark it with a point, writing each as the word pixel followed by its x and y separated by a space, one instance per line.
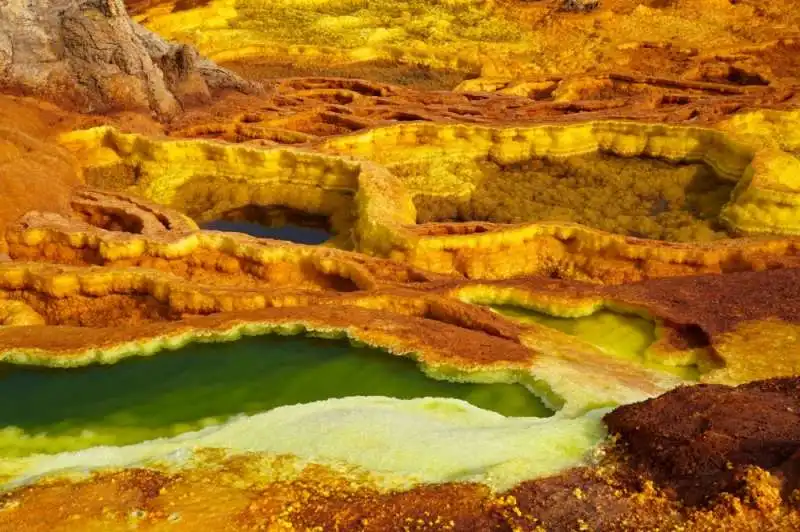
pixel 596 208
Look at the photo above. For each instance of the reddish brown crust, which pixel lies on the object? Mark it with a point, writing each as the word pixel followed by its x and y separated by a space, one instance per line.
pixel 698 441
pixel 598 500
pixel 717 303
pixel 435 507
pixel 696 308
pixel 440 343
pixel 618 493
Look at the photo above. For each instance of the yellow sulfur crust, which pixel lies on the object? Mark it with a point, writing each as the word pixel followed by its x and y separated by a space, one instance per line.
pixel 365 200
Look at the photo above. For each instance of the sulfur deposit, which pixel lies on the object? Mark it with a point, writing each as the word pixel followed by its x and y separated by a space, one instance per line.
pixel 557 289
pixel 364 199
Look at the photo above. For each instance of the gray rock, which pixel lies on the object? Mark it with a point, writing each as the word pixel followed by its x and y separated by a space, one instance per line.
pixel 90 56
pixel 579 5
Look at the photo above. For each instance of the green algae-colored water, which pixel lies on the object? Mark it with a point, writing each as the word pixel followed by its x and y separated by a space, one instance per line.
pixel 622 336
pixel 142 398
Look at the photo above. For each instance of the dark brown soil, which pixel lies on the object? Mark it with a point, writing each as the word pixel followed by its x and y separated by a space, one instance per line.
pixel 698 441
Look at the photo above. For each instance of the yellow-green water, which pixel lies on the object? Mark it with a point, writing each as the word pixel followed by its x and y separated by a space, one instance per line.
pixel 622 336
pixel 141 398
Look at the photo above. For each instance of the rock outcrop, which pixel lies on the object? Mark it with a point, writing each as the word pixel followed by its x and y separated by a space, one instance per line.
pixel 88 55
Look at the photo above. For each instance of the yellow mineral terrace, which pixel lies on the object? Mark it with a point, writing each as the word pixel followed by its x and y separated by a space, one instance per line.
pixel 373 210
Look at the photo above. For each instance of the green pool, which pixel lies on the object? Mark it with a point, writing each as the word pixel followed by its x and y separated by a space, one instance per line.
pixel 621 336
pixel 140 398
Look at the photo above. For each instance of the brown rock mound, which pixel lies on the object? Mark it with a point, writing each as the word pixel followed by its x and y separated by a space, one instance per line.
pixel 89 56
pixel 699 440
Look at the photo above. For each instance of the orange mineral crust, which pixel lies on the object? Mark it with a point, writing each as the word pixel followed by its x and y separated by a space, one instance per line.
pixel 34 174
